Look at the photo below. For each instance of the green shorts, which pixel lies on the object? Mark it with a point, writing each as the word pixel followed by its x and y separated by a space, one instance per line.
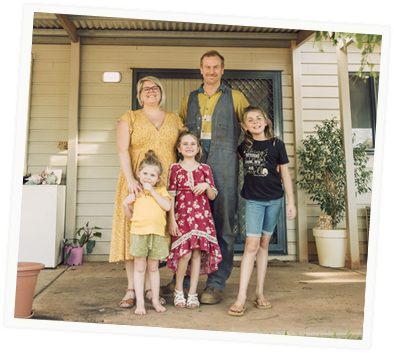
pixel 151 245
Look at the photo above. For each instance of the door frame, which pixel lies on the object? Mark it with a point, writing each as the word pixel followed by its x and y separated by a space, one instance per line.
pixel 276 76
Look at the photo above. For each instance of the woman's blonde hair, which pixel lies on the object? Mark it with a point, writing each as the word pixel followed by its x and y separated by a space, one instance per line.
pixel 151 160
pixel 154 80
pixel 268 131
pixel 183 133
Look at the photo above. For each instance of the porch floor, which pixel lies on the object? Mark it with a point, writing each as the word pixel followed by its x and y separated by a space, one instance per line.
pixel 306 299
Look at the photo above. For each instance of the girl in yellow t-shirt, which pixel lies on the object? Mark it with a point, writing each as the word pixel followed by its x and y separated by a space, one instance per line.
pixel 147 213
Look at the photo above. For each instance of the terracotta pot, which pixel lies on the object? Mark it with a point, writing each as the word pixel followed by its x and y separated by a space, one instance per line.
pixel 25 286
pixel 76 255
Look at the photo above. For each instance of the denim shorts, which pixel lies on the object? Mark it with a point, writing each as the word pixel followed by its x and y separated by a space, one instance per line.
pixel 261 217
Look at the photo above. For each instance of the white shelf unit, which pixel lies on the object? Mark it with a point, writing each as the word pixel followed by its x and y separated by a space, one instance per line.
pixel 42 224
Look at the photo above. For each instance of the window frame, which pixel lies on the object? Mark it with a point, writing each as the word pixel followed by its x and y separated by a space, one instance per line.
pixel 374 87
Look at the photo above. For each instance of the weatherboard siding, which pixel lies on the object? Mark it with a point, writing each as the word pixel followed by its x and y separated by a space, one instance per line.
pixel 102 104
pixel 320 101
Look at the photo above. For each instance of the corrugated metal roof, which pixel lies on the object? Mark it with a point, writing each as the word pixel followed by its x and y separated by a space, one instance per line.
pixel 171 26
pixel 50 28
pixel 49 21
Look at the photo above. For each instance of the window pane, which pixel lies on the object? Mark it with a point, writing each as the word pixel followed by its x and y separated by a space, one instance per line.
pixel 361 96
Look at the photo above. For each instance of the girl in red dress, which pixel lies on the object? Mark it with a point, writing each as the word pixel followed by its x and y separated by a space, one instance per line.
pixel 195 250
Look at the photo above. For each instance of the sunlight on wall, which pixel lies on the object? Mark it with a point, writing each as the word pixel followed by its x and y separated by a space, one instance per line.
pixel 56 161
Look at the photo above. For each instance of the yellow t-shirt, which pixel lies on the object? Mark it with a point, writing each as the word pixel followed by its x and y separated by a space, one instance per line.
pixel 207 105
pixel 148 216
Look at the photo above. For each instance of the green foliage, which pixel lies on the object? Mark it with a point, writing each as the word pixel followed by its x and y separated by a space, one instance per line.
pixel 84 236
pixel 366 42
pixel 322 169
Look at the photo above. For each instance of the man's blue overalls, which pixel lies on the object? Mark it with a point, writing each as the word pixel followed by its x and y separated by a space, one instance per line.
pixel 221 156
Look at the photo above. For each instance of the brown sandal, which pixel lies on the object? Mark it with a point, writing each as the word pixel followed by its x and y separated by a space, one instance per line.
pixel 129 301
pixel 162 301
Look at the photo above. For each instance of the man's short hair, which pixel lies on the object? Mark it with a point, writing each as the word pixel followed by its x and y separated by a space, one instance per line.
pixel 210 54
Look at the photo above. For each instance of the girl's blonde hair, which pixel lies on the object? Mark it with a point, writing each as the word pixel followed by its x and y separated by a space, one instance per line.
pixel 151 160
pixel 268 131
pixel 183 133
pixel 154 80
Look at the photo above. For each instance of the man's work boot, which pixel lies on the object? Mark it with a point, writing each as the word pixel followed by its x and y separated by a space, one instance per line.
pixel 211 295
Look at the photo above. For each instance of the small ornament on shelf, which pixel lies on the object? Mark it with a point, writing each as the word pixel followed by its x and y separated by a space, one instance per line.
pixel 47 177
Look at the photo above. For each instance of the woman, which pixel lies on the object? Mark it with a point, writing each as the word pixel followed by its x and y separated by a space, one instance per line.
pixel 149 128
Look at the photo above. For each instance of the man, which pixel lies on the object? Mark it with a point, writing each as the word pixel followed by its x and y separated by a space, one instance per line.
pixel 214 112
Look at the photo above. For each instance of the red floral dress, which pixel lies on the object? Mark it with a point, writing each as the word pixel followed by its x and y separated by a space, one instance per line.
pixel 194 218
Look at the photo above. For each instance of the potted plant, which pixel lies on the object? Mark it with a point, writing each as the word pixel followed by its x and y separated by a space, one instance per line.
pixel 73 248
pixel 26 280
pixel 323 176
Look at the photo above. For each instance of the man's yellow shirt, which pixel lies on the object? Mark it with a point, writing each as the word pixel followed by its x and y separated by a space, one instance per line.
pixel 207 105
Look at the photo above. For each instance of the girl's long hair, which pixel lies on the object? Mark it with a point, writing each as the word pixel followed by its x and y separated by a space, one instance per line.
pixel 268 131
pixel 152 160
pixel 186 132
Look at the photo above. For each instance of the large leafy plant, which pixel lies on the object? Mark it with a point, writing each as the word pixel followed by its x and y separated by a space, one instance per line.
pixel 322 169
pixel 84 236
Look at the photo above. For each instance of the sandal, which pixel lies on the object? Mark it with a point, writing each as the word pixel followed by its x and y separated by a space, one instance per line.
pixel 237 312
pixel 128 301
pixel 162 301
pixel 192 299
pixel 256 304
pixel 179 298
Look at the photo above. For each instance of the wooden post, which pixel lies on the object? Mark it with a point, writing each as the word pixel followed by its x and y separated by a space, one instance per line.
pixel 72 156
pixel 28 115
pixel 300 195
pixel 353 250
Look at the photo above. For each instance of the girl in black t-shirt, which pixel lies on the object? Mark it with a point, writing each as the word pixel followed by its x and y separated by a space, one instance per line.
pixel 261 152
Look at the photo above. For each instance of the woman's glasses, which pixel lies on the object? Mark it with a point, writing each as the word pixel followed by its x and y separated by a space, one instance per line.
pixel 154 89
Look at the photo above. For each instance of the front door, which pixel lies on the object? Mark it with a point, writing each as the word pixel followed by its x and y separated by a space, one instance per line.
pixel 262 89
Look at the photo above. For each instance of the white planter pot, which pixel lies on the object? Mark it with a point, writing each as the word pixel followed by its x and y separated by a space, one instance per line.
pixel 331 246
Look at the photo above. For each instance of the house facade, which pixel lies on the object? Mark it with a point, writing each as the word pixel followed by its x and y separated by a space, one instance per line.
pixel 70 104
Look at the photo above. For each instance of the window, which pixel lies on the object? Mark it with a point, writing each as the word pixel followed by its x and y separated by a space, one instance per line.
pixel 363 102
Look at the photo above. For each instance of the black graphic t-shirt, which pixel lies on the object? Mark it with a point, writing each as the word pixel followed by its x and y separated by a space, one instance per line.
pixel 261 179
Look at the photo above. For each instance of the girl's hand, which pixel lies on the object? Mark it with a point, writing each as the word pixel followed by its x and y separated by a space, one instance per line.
pixel 200 188
pixel 130 199
pixel 173 228
pixel 128 206
pixel 147 186
pixel 291 211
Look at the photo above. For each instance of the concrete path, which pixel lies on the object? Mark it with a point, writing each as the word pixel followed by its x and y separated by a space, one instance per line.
pixel 306 299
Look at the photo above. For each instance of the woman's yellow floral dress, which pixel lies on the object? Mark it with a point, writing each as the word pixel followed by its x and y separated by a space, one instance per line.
pixel 143 137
